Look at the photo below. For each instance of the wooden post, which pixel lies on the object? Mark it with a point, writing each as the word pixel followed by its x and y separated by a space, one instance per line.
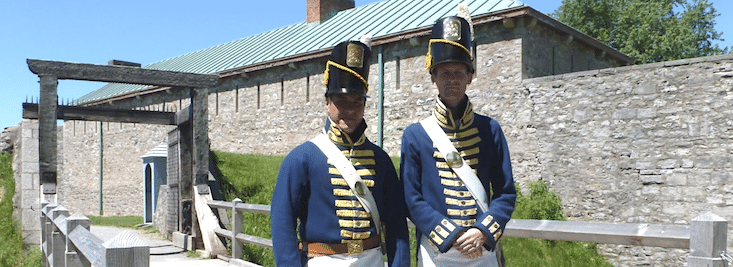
pixel 76 220
pixel 44 203
pixel 88 246
pixel 126 249
pixel 47 233
pixel 236 229
pixel 200 124
pixel 173 171
pixel 185 184
pixel 47 134
pixel 708 237
pixel 58 241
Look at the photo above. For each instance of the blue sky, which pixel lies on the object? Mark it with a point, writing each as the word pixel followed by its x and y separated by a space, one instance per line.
pixel 147 31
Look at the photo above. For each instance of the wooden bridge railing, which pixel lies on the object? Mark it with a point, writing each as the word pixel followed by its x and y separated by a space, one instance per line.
pixel 705 237
pixel 66 241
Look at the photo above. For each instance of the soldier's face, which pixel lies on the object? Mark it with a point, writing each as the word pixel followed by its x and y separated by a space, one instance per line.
pixel 452 78
pixel 346 110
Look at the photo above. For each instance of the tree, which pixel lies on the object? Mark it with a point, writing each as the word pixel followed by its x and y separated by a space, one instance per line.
pixel 647 30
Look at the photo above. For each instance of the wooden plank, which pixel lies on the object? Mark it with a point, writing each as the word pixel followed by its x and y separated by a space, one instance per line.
pixel 263 242
pixel 185 176
pixel 88 245
pixel 208 223
pixel 256 240
pixel 183 116
pixel 120 74
pixel 635 234
pixel 223 233
pixel 256 208
pixel 218 204
pixel 30 111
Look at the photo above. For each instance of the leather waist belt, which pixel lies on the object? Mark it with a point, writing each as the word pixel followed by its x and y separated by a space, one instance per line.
pixel 351 247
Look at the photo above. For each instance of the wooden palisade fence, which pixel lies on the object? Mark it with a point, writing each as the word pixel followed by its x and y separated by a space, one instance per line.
pixel 705 236
pixel 66 241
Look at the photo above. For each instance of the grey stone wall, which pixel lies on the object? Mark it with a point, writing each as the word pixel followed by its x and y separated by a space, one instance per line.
pixel 639 144
pixel 122 181
pixel 27 180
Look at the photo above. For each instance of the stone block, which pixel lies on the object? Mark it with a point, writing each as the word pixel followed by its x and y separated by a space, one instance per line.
pixel 721 178
pixel 650 190
pixel 650 173
pixel 670 193
pixel 179 239
pixel 676 209
pixel 687 163
pixel 29 181
pixel 30 219
pixel 647 113
pixel 645 89
pixel 30 150
pixel 31 167
pixel 679 179
pixel 646 164
pixel 704 163
pixel 651 179
pixel 624 114
pixel 668 164
pixel 32 237
pixel 29 199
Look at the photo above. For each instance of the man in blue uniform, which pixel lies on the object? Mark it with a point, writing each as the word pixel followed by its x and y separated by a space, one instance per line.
pixel 455 164
pixel 335 188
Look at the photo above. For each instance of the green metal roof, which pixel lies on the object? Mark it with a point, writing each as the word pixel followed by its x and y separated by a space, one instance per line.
pixel 377 19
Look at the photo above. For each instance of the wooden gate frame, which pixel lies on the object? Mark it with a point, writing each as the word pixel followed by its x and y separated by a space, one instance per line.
pixel 191 121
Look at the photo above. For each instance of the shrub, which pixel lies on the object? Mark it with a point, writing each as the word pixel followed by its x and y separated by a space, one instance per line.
pixel 543 204
pixel 11 237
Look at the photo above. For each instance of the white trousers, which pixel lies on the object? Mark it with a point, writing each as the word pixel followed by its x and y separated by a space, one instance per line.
pixel 369 258
pixel 430 256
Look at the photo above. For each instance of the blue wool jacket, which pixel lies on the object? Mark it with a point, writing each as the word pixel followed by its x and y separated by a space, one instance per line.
pixel 438 202
pixel 311 190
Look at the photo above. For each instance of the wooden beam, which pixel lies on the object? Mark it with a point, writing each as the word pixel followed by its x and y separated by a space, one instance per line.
pixel 30 111
pixel 118 74
pixel 47 136
pixel 509 23
pixel 200 120
pixel 635 234
pixel 208 223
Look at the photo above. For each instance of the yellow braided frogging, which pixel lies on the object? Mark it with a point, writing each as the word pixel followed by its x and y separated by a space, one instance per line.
pixel 429 56
pixel 327 73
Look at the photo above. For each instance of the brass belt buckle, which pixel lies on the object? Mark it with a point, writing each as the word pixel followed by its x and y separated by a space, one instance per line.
pixel 354 246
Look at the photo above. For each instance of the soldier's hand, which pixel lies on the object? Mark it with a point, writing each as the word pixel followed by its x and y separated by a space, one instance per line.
pixel 470 243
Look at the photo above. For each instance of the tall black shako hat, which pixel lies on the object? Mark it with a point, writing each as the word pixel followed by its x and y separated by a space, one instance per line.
pixel 451 41
pixel 348 69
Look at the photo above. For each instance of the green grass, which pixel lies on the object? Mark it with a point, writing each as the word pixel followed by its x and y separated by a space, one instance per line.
pixel 116 221
pixel 193 254
pixel 252 179
pixel 12 252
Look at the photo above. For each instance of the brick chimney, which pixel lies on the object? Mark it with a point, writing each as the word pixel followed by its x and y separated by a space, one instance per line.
pixel 321 10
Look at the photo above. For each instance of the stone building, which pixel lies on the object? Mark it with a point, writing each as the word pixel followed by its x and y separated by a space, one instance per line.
pixel 273 100
pixel 649 143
